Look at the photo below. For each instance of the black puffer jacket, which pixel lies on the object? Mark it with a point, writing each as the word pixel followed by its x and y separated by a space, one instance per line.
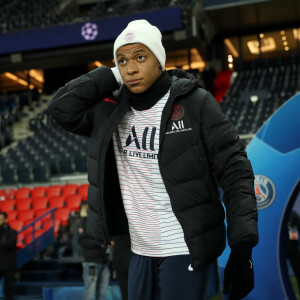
pixel 199 150
pixel 8 241
pixel 94 255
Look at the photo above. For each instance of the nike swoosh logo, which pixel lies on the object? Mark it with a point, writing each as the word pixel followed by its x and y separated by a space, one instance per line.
pixel 109 100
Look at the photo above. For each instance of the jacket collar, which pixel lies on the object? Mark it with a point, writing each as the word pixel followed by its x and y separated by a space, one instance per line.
pixel 182 82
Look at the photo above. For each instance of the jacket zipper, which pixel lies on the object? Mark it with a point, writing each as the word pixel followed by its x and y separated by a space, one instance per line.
pixel 161 137
pixel 102 207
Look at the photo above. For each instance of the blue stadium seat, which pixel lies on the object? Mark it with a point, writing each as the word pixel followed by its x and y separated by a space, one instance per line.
pixel 9 174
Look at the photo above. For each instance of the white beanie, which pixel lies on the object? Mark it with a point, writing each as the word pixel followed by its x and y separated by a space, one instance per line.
pixel 141 31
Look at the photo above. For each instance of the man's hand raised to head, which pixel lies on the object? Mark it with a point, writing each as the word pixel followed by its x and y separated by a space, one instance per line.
pixel 117 75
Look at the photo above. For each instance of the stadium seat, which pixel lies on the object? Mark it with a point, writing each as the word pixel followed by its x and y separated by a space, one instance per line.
pixel 83 191
pixel 3 196
pixel 12 215
pixel 67 165
pixel 69 189
pixel 28 237
pixel 16 224
pixel 23 193
pixel 26 214
pixel 40 212
pixel 80 160
pixel 10 175
pixel 54 164
pixel 39 203
pixel 48 224
pixel 25 172
pixel 54 190
pixel 11 193
pixel 56 201
pixel 7 194
pixel 20 240
pixel 37 225
pixel 8 205
pixel 38 191
pixel 23 204
pixel 62 214
pixel 73 202
pixel 41 171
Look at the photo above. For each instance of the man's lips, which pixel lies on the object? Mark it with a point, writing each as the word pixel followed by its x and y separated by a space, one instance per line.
pixel 133 82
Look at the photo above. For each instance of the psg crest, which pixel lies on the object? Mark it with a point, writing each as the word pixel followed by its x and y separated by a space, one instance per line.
pixel 264 191
pixel 177 112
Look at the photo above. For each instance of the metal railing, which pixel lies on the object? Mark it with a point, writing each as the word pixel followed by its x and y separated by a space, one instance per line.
pixel 38 243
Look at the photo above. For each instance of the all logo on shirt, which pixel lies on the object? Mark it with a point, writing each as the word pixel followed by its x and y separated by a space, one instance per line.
pixel 146 143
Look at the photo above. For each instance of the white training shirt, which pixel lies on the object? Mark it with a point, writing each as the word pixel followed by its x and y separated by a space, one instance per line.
pixel 154 229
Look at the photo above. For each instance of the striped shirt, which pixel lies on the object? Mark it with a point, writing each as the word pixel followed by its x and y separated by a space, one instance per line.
pixel 154 229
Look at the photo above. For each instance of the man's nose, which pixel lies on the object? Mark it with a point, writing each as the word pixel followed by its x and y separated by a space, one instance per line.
pixel 132 67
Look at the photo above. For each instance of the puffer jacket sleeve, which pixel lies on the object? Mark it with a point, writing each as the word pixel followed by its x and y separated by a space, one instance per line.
pixel 73 104
pixel 232 169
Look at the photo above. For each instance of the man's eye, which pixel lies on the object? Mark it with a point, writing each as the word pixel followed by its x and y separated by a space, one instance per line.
pixel 121 61
pixel 141 57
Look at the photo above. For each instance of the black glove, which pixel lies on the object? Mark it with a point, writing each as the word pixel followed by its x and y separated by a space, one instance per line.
pixel 238 273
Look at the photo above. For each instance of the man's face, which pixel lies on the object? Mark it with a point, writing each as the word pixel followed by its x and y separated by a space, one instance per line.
pixel 2 220
pixel 138 66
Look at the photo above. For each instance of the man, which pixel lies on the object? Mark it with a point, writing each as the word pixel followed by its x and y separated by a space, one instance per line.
pixel 8 264
pixel 96 272
pixel 159 148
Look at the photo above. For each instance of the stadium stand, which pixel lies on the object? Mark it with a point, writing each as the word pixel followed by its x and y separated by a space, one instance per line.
pixel 19 15
pixel 47 151
pixel 23 207
pixel 43 217
pixel 8 115
pixel 103 9
pixel 260 88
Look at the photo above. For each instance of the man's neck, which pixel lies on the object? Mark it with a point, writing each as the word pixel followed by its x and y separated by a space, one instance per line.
pixel 149 98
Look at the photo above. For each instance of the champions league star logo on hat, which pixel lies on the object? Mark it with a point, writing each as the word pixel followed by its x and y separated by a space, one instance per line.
pixel 264 191
pixel 89 31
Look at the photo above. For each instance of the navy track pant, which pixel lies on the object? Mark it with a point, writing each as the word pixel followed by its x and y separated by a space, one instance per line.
pixel 166 278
